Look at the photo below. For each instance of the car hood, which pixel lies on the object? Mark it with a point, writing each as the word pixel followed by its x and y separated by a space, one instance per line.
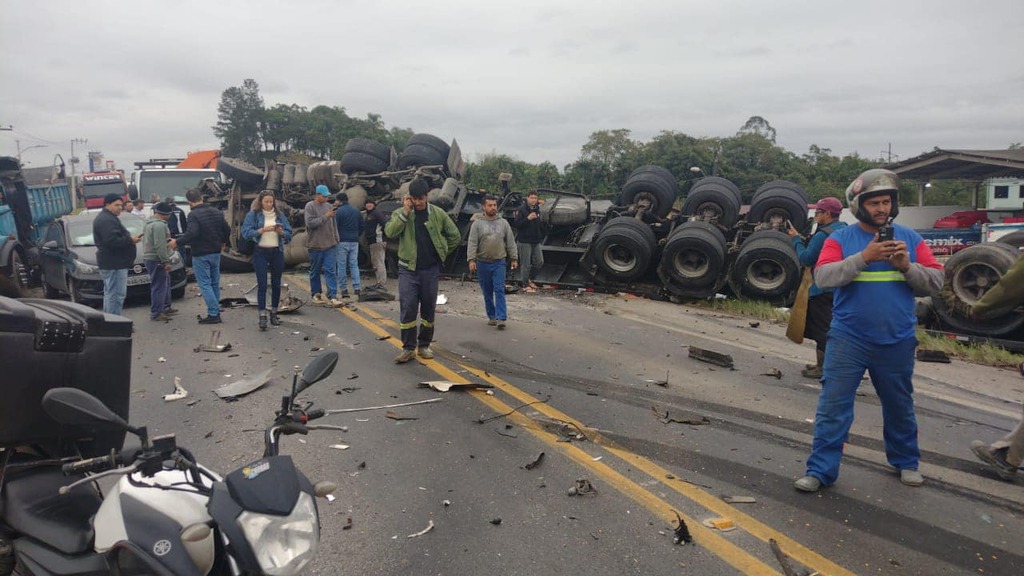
pixel 87 254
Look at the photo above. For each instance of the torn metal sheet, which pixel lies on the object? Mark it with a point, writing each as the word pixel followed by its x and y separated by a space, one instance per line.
pixel 288 303
pixel 178 393
pixel 711 357
pixel 213 344
pixel 446 385
pixel 244 386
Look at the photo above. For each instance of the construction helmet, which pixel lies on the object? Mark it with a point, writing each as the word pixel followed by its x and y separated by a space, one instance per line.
pixel 869 184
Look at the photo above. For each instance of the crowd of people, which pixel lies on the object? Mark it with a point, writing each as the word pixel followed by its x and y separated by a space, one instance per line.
pixel 861 311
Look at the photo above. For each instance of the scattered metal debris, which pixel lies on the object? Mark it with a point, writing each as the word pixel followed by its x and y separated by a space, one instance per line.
pixel 213 344
pixel 682 532
pixel 711 357
pixel 482 420
pixel 288 303
pixel 536 463
pixel 668 417
pixel 932 356
pixel 773 371
pixel 178 393
pixel 787 568
pixel 582 487
pixel 662 383
pixel 352 376
pixel 402 405
pixel 399 417
pixel 244 386
pixel 739 499
pixel 348 524
pixel 430 526
pixel 446 385
pixel 496 521
pixel 506 434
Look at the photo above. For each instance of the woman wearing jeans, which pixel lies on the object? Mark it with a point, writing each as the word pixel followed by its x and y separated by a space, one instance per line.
pixel 268 228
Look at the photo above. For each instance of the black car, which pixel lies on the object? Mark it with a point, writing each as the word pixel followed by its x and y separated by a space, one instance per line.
pixel 69 261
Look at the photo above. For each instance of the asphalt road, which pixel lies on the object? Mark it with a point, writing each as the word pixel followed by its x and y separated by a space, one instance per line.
pixel 583 373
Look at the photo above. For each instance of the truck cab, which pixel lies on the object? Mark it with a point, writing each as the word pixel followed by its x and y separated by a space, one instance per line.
pixel 96 185
pixel 161 183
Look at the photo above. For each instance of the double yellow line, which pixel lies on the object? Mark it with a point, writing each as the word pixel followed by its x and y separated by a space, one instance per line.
pixel 709 539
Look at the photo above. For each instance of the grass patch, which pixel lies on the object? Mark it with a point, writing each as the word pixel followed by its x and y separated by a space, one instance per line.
pixel 746 308
pixel 986 354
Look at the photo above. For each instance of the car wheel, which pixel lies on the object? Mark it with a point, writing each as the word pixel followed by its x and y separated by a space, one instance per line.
pixel 651 183
pixel 420 155
pixel 777 205
pixel 430 141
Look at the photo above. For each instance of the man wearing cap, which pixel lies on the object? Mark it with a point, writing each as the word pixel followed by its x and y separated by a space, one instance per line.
pixel 819 301
pixel 115 252
pixel 876 268
pixel 322 243
pixel 156 255
pixel 206 233
pixel 426 236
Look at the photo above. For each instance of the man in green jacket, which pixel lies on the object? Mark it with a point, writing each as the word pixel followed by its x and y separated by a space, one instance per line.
pixel 157 256
pixel 1003 455
pixel 426 237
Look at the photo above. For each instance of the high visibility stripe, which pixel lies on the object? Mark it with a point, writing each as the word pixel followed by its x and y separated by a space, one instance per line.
pixel 407 325
pixel 883 276
pixel 426 324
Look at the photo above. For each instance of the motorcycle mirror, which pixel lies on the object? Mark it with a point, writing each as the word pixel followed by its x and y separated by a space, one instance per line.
pixel 320 368
pixel 72 406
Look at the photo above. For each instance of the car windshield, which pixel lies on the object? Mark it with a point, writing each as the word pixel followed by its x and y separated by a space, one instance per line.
pixel 173 183
pixel 101 189
pixel 80 229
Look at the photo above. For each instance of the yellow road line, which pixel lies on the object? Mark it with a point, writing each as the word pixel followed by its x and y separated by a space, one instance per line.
pixel 721 547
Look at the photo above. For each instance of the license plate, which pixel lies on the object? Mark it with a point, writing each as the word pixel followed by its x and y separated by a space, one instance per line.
pixel 138 280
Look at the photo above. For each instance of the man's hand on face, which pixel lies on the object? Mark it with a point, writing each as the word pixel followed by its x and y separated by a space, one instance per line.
pixel 407 205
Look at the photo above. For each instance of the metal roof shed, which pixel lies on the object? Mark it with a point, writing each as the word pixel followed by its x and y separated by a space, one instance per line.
pixel 970 165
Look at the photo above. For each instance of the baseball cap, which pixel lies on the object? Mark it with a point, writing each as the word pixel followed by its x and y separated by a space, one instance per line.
pixel 831 205
pixel 323 190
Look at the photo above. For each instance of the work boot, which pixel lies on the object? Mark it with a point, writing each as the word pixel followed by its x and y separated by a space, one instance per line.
pixel 344 293
pixel 356 291
pixel 210 319
pixel 161 318
pixel 335 303
pixel 812 372
pixel 501 324
pixel 910 477
pixel 492 322
pixel 994 458
pixel 170 311
pixel 318 298
pixel 807 484
pixel 274 320
pixel 263 322
pixel 405 356
pixel 425 352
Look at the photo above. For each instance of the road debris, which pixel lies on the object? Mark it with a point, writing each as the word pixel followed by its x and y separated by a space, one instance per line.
pixel 446 503
pixel 933 356
pixel 773 371
pixel 178 393
pixel 339 446
pixel 384 337
pixel 506 434
pixel 667 417
pixel 441 299
pixel 711 357
pixel 446 385
pixel 682 532
pixel 161 359
pixel 482 420
pixel 739 499
pixel 787 568
pixel 330 498
pixel 496 521
pixel 754 324
pixel 213 344
pixel 430 526
pixel 582 487
pixel 243 386
pixel 402 405
pixel 352 376
pixel 348 524
pixel 398 417
pixel 662 383
pixel 720 524
pixel 536 463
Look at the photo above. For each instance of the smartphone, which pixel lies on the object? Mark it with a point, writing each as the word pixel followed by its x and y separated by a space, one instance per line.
pixel 885 233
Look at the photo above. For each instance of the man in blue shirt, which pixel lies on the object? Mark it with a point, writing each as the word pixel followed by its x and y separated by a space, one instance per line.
pixel 350 228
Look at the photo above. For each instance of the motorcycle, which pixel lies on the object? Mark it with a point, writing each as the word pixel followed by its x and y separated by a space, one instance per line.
pixel 168 514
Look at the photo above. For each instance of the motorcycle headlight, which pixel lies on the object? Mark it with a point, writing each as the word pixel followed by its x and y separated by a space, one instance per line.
pixel 283 544
pixel 83 268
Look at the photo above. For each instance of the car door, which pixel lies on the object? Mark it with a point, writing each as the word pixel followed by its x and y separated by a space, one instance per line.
pixel 54 253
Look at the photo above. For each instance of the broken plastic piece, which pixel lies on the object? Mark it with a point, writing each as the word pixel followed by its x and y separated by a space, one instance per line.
pixel 682 532
pixel 720 524
pixel 430 526
pixel 442 299
pixel 340 446
pixel 773 372
pixel 244 386
pixel 446 385
pixel 739 499
pixel 213 344
pixel 178 393
pixel 535 463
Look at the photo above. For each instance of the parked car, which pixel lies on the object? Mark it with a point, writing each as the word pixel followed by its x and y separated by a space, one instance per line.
pixel 69 261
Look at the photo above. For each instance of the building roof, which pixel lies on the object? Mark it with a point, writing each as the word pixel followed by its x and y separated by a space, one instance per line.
pixel 974 165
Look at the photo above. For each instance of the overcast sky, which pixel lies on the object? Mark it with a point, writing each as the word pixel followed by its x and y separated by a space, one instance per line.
pixel 531 78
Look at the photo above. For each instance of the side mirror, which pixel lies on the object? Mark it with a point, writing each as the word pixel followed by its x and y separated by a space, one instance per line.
pixel 320 368
pixel 72 406
pixel 51 245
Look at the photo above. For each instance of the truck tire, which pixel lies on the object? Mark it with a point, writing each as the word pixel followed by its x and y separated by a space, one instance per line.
pixel 353 162
pixel 240 171
pixel 776 184
pixel 766 268
pixel 779 203
pixel 274 176
pixel 693 259
pixel 624 248
pixel 14 268
pixel 416 155
pixel 715 200
pixel 565 211
pixel 369 147
pixel 288 175
pixel 430 141
pixel 970 273
pixel 652 184
pixel 300 174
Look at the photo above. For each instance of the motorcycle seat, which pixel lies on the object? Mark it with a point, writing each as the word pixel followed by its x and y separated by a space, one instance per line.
pixel 31 505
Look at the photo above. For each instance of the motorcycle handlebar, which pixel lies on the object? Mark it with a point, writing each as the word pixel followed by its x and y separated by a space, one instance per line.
pixel 91 465
pixel 314 414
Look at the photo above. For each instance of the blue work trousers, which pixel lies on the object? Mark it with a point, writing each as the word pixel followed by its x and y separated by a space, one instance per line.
pixel 159 288
pixel 348 263
pixel 207 271
pixel 417 293
pixel 891 368
pixel 115 288
pixel 268 260
pixel 323 261
pixel 491 276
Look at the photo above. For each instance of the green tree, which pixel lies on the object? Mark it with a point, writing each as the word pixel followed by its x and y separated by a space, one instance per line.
pixel 238 121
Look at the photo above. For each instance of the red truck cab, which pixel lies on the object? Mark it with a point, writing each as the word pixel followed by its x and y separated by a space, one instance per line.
pixel 96 185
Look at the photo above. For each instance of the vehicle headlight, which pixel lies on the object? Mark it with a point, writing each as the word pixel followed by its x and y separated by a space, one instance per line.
pixel 83 268
pixel 283 544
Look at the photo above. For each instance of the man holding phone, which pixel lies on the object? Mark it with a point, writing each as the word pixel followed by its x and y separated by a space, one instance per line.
pixel 322 243
pixel 873 321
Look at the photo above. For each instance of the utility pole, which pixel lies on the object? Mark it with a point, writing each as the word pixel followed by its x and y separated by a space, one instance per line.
pixel 888 154
pixel 18 144
pixel 74 160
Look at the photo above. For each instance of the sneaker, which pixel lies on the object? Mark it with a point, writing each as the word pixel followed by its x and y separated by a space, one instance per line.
pixel 994 458
pixel 405 356
pixel 344 293
pixel 911 477
pixel 161 318
pixel 492 322
pixel 335 303
pixel 814 372
pixel 170 311
pixel 356 291
pixel 210 319
pixel 274 320
pixel 501 324
pixel 807 484
pixel 425 352
pixel 319 299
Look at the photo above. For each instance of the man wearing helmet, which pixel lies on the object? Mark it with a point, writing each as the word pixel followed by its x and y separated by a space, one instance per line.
pixel 876 268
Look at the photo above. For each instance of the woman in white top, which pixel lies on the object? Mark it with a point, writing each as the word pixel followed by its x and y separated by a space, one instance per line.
pixel 268 228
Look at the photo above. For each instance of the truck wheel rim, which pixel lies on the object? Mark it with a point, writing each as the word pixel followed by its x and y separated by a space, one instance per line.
pixel 691 263
pixel 619 258
pixel 973 280
pixel 765 274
